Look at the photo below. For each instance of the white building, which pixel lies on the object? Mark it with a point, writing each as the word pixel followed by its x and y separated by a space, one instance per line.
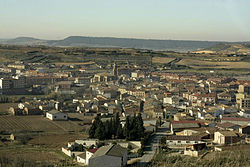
pixel 55 115
pixel 225 137
pixel 167 100
pixel 81 158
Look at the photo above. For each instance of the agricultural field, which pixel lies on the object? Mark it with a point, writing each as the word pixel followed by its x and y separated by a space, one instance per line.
pixel 5 106
pixel 55 141
pixel 161 60
pixel 195 63
pixel 32 154
pixel 37 123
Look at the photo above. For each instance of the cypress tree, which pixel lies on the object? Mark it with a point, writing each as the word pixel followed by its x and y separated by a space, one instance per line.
pixel 139 126
pixel 127 128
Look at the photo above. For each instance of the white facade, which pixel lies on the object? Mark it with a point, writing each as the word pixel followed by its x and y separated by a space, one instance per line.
pixel 134 74
pixel 86 143
pixel 88 156
pixel 57 116
pixel 167 100
pixel 182 142
pixel 80 159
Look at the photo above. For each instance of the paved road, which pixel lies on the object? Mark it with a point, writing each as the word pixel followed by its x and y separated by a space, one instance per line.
pixel 152 148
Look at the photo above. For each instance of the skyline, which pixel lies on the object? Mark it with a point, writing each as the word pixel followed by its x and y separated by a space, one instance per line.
pixel 223 20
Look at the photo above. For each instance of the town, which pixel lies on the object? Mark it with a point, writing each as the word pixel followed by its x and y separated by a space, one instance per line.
pixel 118 107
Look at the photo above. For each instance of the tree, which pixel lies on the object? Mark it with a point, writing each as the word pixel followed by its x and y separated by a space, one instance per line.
pixel 119 132
pixel 163 140
pixel 96 125
pixel 116 124
pixel 108 129
pixel 139 126
pixel 100 130
pixel 127 128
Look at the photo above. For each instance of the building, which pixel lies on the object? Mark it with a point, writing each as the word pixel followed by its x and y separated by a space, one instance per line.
pixel 84 157
pixel 245 129
pixel 245 88
pixel 17 66
pixel 245 113
pixel 55 115
pixel 81 158
pixel 225 137
pixel 195 149
pixel 176 140
pixel 235 120
pixel 111 156
pixel 177 126
pixel 89 154
pixel 228 126
pixel 243 101
pixel 103 77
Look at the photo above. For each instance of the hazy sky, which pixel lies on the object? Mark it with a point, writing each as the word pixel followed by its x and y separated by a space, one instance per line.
pixel 227 20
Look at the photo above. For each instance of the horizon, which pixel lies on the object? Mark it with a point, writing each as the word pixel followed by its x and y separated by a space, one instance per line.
pixel 247 41
pixel 193 20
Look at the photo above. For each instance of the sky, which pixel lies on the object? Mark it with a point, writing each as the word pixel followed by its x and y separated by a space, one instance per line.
pixel 219 20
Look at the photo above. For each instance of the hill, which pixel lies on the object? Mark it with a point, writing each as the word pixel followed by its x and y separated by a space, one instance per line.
pixel 228 48
pixel 173 45
pixel 24 41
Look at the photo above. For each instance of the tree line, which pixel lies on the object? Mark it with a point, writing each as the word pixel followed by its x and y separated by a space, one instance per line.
pixel 132 130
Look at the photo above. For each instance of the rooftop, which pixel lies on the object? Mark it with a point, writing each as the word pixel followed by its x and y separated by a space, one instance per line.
pixel 111 150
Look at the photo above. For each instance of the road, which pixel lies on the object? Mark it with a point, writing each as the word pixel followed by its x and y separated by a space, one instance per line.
pixel 152 148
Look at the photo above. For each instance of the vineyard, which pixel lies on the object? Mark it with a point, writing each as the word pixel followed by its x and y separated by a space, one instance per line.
pixel 37 123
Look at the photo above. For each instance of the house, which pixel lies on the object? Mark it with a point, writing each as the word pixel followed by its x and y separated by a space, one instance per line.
pixel 245 129
pixel 236 120
pixel 111 156
pixel 69 151
pixel 12 137
pixel 225 137
pixel 194 149
pixel 175 140
pixel 228 126
pixel 81 158
pixel 87 142
pixel 89 154
pixel 176 126
pixel 84 157
pixel 103 77
pixel 205 132
pixel 55 115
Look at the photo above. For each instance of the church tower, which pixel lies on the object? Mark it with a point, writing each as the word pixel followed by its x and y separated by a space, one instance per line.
pixel 115 71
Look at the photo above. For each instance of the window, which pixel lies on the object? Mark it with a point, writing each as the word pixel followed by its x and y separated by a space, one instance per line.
pixel 179 141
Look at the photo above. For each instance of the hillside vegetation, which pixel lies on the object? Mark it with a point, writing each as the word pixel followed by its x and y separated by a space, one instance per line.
pixel 228 48
pixel 236 157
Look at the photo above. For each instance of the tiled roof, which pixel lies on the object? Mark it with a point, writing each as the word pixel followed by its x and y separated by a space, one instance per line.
pixel 228 133
pixel 111 150
pixel 184 121
pixel 83 155
pixel 186 138
pixel 235 119
pixel 226 125
pixel 93 150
